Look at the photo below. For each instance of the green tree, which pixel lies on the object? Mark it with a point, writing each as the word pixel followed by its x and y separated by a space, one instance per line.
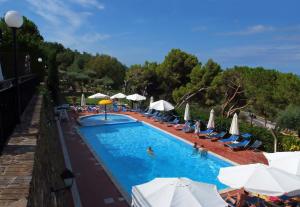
pixel 290 118
pixel 175 70
pixel 105 65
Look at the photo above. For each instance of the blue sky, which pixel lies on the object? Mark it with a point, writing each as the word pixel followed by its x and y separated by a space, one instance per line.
pixel 232 32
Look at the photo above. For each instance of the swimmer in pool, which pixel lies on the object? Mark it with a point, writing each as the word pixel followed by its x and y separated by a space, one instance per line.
pixel 150 151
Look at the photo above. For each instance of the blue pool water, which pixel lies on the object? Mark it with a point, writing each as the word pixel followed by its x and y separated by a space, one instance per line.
pixel 99 119
pixel 123 150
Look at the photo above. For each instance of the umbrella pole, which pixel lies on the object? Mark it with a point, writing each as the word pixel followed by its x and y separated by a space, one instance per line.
pixel 105 111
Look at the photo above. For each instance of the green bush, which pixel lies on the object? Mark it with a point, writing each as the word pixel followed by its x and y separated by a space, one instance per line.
pixel 290 143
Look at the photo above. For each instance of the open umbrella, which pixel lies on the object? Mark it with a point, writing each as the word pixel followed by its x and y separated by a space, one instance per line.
pixel 211 121
pixel 105 102
pixel 136 97
pixel 187 115
pixel 286 161
pixel 98 95
pixel 234 128
pixel 118 95
pixel 161 105
pixel 176 192
pixel 261 179
pixel 82 101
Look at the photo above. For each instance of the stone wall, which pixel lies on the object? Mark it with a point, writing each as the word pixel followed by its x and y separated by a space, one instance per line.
pixel 48 165
pixel 32 161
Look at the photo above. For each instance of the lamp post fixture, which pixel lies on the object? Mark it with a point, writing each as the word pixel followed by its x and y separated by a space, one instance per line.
pixel 14 20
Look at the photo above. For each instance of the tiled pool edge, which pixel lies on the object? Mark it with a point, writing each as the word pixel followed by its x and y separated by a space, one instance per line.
pixel 108 172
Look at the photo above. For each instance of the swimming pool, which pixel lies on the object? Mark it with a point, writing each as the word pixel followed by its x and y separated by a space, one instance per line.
pixel 122 148
pixel 99 119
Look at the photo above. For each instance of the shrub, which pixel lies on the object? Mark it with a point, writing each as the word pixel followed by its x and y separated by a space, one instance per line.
pixel 290 143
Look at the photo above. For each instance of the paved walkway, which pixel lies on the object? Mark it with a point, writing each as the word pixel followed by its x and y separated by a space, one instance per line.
pixel 94 185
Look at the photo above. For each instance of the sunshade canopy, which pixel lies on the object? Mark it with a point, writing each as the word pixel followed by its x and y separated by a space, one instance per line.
pixel 261 179
pixel 118 95
pixel 187 115
pixel 234 128
pixel 98 95
pixel 136 97
pixel 82 101
pixel 176 192
pixel 161 105
pixel 211 121
pixel 286 161
pixel 105 102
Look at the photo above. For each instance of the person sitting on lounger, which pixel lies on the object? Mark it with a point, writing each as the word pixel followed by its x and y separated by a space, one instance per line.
pixel 240 200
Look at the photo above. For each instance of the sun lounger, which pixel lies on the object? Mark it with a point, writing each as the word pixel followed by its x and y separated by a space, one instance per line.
pixel 174 122
pixel 232 138
pixel 208 131
pixel 255 145
pixel 216 135
pixel 152 114
pixel 239 145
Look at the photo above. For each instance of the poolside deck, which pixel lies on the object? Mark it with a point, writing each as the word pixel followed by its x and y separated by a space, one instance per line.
pixel 94 185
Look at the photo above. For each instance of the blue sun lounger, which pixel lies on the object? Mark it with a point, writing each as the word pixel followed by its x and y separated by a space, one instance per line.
pixel 208 131
pixel 217 135
pixel 232 138
pixel 240 145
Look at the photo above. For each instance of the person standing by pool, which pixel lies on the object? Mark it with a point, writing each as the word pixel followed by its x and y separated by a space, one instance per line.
pixel 197 128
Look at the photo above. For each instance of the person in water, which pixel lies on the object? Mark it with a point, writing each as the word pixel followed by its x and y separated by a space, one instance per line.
pixel 195 146
pixel 150 151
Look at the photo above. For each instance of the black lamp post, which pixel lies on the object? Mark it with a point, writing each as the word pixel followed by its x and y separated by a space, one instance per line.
pixel 14 20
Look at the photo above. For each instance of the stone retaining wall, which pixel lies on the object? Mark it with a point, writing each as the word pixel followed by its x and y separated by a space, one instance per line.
pixel 32 161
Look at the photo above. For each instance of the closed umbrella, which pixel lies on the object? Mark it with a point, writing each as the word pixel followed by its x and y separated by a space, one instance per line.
pixel 187 115
pixel 98 96
pixel 151 100
pixel 261 179
pixel 161 105
pixel 82 101
pixel 286 161
pixel 105 102
pixel 118 95
pixel 176 192
pixel 211 121
pixel 234 128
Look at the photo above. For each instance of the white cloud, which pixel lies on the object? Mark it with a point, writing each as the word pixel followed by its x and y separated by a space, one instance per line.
pixel 269 55
pixel 90 3
pixel 62 23
pixel 256 29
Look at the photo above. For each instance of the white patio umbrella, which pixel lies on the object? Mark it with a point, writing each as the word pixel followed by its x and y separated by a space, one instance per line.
pixel 118 95
pixel 82 101
pixel 161 105
pixel 1 75
pixel 176 192
pixel 286 161
pixel 234 128
pixel 211 121
pixel 136 97
pixel 187 115
pixel 151 100
pixel 98 95
pixel 261 179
